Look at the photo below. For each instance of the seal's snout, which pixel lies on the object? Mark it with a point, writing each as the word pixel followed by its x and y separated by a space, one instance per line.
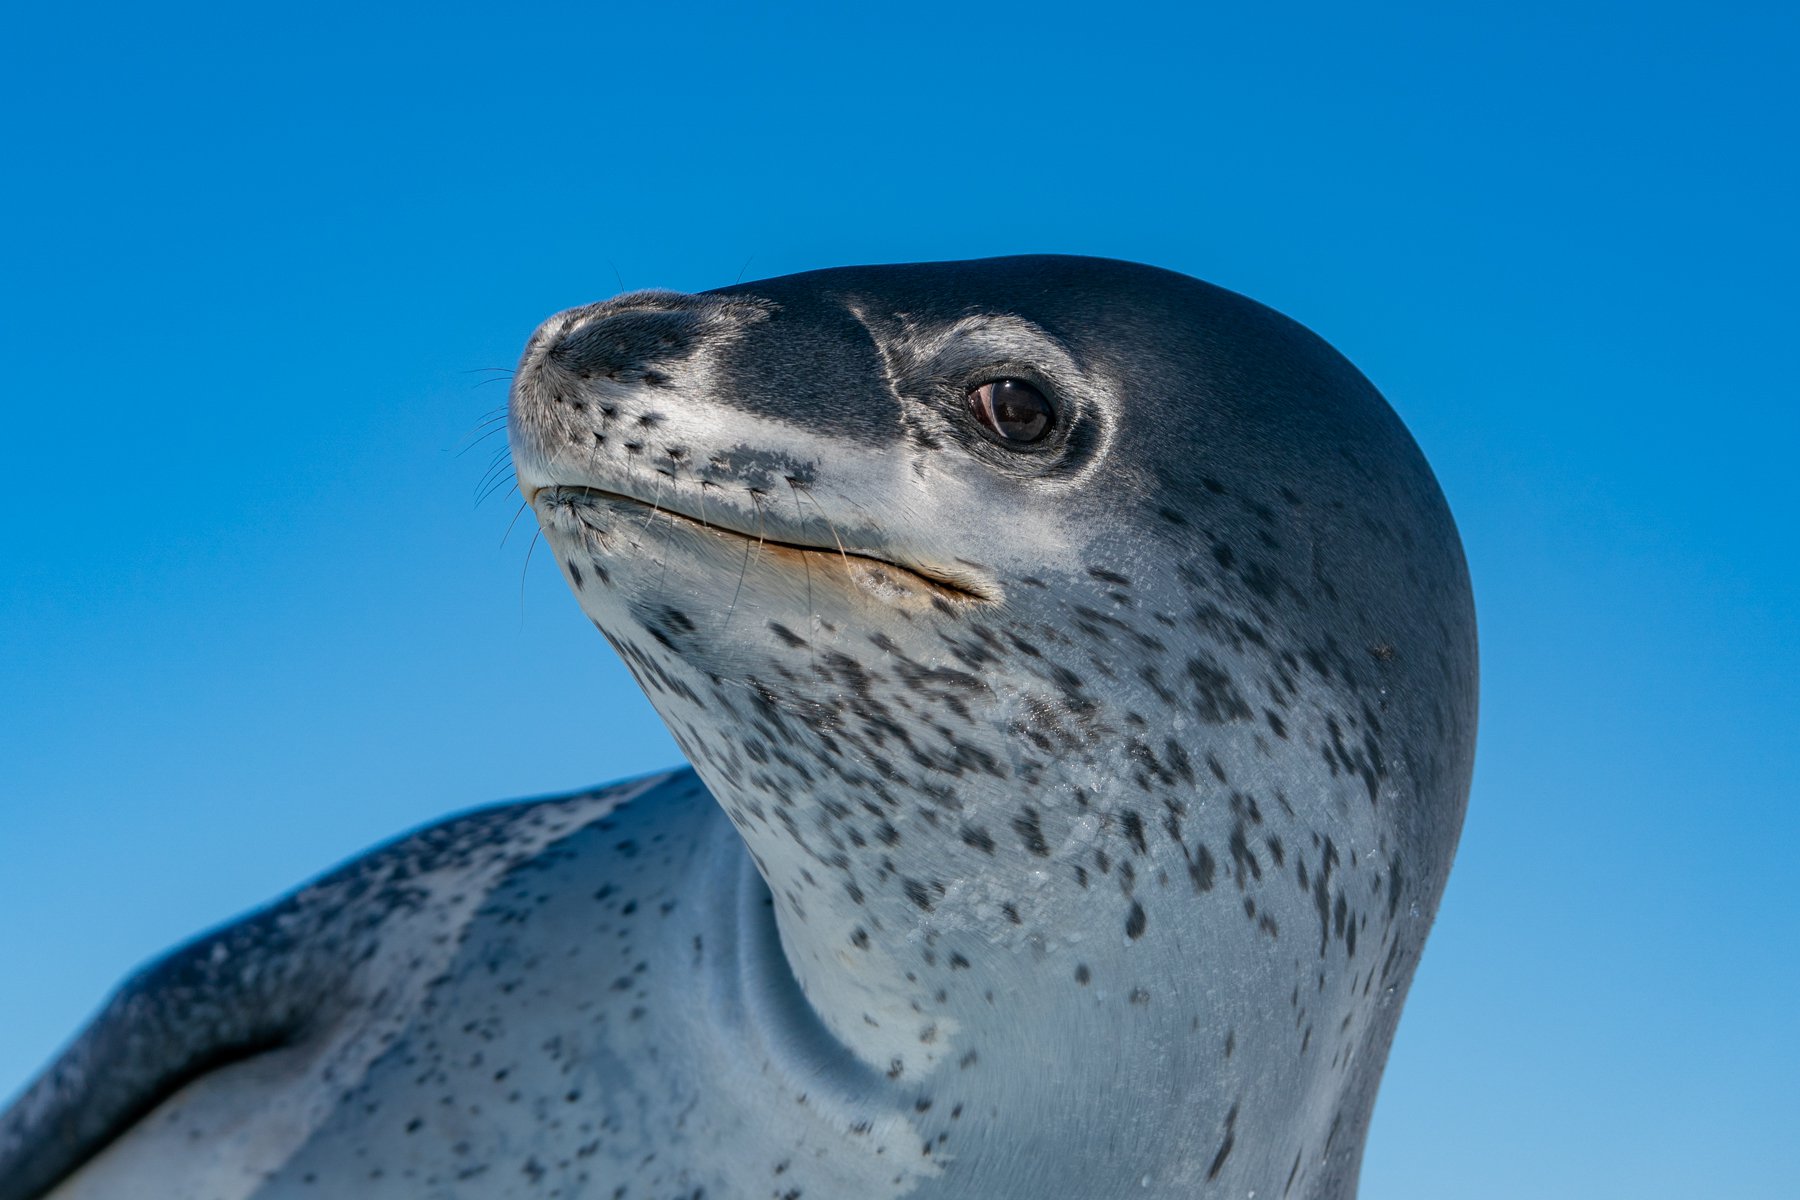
pixel 636 345
pixel 588 373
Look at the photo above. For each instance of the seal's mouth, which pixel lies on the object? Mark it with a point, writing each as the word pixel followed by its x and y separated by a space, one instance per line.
pixel 884 576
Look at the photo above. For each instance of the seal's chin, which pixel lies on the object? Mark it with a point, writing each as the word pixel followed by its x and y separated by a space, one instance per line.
pixel 599 517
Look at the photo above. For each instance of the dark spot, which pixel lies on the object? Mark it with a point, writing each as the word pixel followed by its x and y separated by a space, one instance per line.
pixel 1027 827
pixel 976 836
pixel 1200 869
pixel 1134 831
pixel 788 637
pixel 1224 1153
pixel 1217 698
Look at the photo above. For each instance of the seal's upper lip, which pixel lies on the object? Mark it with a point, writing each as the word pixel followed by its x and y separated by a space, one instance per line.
pixel 961 586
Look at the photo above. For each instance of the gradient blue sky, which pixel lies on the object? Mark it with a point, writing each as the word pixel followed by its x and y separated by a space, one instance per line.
pixel 252 620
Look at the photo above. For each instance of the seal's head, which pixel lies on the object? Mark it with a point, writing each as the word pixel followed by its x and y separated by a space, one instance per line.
pixel 1087 658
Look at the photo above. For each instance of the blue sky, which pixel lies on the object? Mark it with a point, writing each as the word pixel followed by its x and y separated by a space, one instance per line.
pixel 258 262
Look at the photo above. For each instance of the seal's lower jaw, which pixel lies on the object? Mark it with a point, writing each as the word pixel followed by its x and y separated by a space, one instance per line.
pixel 617 526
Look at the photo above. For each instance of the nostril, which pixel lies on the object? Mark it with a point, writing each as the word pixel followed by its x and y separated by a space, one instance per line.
pixel 628 346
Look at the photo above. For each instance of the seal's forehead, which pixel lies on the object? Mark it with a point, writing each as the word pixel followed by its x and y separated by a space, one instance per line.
pixel 1034 286
pixel 1134 319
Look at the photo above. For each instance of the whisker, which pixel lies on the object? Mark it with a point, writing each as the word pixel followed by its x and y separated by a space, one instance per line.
pixel 812 629
pixel 585 520
pixel 662 577
pixel 484 437
pixel 757 504
pixel 501 457
pixel 522 575
pixel 742 571
pixel 861 508
pixel 802 490
pixel 655 502
pixel 511 523
pixel 502 478
pixel 704 484
pixel 495 417
pixel 499 484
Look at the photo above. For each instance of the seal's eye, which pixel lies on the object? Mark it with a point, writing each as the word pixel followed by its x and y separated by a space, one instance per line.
pixel 1013 410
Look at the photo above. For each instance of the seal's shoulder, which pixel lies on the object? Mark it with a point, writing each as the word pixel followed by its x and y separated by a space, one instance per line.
pixel 359 944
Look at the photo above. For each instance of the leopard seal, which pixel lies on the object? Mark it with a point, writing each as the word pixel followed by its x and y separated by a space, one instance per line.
pixel 1076 663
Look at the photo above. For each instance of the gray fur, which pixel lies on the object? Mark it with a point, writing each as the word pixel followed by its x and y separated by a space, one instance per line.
pixel 1080 812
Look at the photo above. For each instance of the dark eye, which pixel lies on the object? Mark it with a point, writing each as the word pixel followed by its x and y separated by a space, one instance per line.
pixel 1015 411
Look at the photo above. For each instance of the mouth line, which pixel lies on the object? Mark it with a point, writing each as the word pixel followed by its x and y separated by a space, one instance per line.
pixel 964 591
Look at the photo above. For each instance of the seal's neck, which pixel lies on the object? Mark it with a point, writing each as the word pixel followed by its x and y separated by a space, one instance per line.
pixel 967 925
